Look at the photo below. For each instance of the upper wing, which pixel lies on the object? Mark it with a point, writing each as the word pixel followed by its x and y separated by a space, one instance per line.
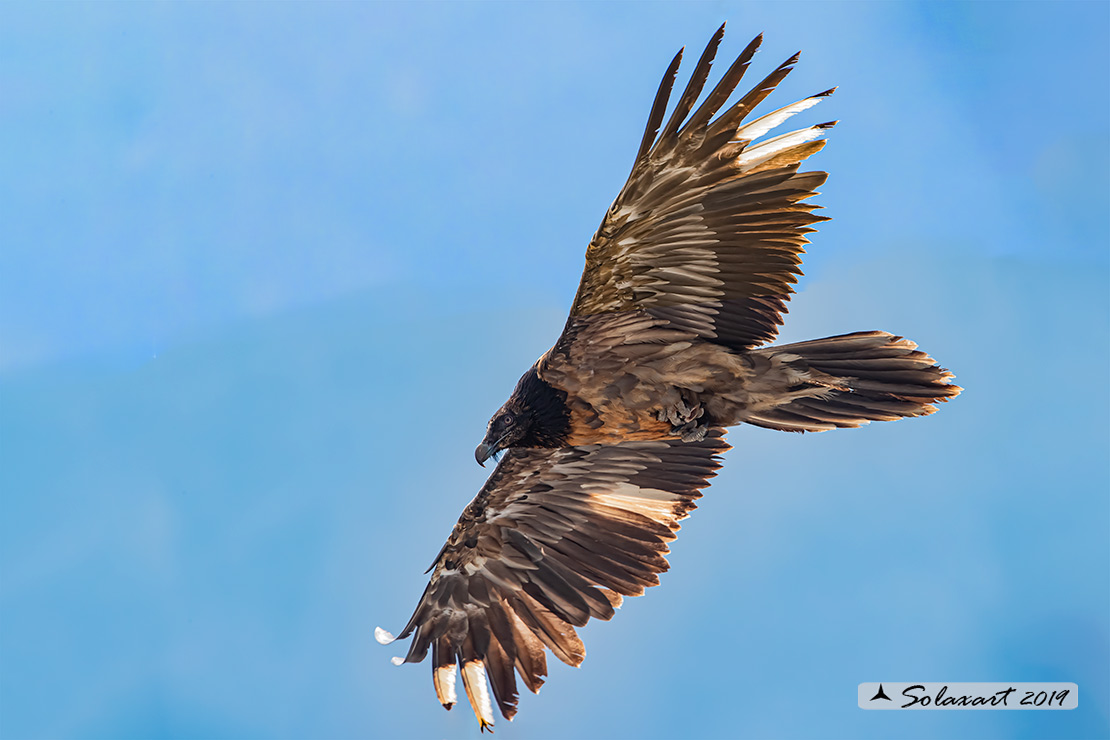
pixel 555 536
pixel 708 231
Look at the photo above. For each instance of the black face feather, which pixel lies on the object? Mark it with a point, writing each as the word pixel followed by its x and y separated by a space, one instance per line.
pixel 545 408
pixel 536 415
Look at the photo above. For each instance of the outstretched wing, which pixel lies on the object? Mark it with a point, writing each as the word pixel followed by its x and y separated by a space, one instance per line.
pixel 555 536
pixel 707 233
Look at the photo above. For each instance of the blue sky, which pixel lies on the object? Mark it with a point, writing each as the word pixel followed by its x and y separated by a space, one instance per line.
pixel 266 269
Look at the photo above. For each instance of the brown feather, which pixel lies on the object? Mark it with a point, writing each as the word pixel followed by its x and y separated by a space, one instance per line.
pixel 693 88
pixel 553 539
pixel 659 106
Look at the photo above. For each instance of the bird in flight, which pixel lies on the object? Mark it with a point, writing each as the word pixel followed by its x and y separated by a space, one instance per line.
pixel 609 438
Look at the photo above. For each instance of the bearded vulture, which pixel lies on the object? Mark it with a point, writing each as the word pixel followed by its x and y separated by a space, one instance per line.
pixel 610 437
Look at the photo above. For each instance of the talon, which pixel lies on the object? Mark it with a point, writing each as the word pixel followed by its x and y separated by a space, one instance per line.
pixel 697 434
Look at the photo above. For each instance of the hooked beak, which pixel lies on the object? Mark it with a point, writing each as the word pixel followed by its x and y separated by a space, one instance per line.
pixel 486 450
pixel 483 452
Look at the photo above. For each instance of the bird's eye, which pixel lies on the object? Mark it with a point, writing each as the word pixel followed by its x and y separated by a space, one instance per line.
pixel 507 419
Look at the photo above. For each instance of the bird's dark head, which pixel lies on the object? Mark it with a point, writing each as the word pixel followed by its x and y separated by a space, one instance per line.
pixel 535 415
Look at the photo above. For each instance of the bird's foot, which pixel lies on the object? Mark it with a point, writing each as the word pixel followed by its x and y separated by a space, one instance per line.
pixel 687 420
pixel 692 431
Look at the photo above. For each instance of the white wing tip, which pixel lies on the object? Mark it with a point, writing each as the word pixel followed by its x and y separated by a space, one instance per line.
pixel 397 660
pixel 382 636
pixel 444 681
pixel 768 149
pixel 477 690
pixel 762 125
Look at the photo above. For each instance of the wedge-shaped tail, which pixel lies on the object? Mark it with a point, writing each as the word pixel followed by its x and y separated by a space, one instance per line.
pixel 853 379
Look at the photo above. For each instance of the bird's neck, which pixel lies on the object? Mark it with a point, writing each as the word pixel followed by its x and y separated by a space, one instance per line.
pixel 549 415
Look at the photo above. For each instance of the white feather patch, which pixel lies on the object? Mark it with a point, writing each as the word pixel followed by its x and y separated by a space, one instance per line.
pixel 382 636
pixel 445 685
pixel 477 690
pixel 760 126
pixel 759 154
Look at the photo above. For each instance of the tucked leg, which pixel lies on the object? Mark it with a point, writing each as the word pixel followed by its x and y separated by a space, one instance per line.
pixel 686 417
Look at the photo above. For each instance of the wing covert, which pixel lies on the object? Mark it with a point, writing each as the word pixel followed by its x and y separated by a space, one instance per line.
pixel 555 537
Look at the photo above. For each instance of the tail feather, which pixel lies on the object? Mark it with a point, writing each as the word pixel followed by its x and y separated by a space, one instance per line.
pixel 853 379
